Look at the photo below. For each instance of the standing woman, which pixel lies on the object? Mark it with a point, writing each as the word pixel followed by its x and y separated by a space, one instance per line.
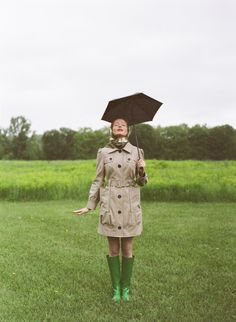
pixel 119 173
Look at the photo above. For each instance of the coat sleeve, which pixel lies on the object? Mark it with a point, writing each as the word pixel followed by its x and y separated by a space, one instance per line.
pixel 93 198
pixel 141 180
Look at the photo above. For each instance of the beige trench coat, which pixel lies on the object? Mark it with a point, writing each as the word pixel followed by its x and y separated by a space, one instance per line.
pixel 116 189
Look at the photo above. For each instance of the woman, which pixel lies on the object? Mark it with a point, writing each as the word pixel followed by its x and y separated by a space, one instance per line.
pixel 119 174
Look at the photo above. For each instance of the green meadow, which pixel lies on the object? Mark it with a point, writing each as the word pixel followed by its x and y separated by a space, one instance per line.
pixel 168 180
pixel 53 265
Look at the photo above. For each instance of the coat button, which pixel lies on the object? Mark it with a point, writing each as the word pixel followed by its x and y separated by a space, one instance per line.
pixel 110 159
pixel 119 196
pixel 119 211
pixel 129 159
pixel 120 151
pixel 119 227
pixel 119 165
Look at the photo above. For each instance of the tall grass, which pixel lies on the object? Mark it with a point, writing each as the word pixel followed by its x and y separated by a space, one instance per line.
pixel 168 180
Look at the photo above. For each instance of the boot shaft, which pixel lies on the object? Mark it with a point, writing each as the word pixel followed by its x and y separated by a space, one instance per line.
pixel 114 268
pixel 126 271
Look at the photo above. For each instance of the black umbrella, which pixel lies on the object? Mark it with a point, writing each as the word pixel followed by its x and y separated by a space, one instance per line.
pixel 136 108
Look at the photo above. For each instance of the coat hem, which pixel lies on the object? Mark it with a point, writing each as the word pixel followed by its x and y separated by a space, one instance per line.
pixel 118 235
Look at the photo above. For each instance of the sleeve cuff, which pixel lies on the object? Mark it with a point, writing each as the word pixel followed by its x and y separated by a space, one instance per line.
pixel 91 205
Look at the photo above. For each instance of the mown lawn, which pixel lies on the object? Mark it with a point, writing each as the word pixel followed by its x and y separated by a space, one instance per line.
pixel 53 265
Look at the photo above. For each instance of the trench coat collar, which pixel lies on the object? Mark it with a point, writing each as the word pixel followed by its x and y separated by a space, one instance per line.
pixel 127 148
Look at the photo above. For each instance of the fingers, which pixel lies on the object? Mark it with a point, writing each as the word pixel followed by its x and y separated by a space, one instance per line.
pixel 81 211
pixel 77 212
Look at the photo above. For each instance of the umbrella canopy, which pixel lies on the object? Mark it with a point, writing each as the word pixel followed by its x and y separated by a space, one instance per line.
pixel 137 108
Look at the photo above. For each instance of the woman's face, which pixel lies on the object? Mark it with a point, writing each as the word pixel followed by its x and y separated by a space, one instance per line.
pixel 120 127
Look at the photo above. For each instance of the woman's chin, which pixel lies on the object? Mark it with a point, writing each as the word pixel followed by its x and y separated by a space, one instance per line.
pixel 120 136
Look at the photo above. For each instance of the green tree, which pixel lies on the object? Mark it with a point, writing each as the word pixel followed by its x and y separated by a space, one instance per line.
pixel 198 137
pixel 89 141
pixel 52 145
pixel 174 142
pixel 4 145
pixel 68 142
pixel 59 145
pixel 221 142
pixel 18 135
pixel 34 147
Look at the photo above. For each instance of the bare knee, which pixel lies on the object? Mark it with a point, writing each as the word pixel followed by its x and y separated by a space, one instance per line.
pixel 114 246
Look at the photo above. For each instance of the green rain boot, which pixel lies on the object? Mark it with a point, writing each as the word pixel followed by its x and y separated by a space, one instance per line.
pixel 114 267
pixel 126 273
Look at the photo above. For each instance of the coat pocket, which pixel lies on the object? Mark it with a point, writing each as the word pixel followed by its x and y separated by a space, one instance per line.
pixel 105 214
pixel 105 218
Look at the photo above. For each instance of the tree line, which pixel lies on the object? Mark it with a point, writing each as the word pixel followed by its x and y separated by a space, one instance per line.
pixel 177 142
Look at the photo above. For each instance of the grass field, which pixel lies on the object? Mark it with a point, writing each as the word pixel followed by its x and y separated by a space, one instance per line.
pixel 168 180
pixel 53 265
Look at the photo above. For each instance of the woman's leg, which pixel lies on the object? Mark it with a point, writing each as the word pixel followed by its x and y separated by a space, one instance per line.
pixel 114 246
pixel 127 246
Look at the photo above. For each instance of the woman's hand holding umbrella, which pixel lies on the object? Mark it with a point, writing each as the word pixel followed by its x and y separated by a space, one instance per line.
pixel 81 211
pixel 141 165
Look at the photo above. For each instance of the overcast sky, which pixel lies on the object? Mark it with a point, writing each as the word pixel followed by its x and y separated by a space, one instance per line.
pixel 61 61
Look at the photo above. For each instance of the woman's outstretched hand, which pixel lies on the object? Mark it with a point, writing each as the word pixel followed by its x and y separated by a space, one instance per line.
pixel 81 211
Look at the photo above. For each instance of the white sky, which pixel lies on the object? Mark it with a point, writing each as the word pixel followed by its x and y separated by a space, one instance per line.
pixel 61 61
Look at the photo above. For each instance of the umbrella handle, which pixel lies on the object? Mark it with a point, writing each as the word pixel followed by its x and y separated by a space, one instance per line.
pixel 136 139
pixel 135 134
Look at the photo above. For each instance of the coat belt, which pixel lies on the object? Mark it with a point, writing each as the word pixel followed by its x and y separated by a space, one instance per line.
pixel 120 183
